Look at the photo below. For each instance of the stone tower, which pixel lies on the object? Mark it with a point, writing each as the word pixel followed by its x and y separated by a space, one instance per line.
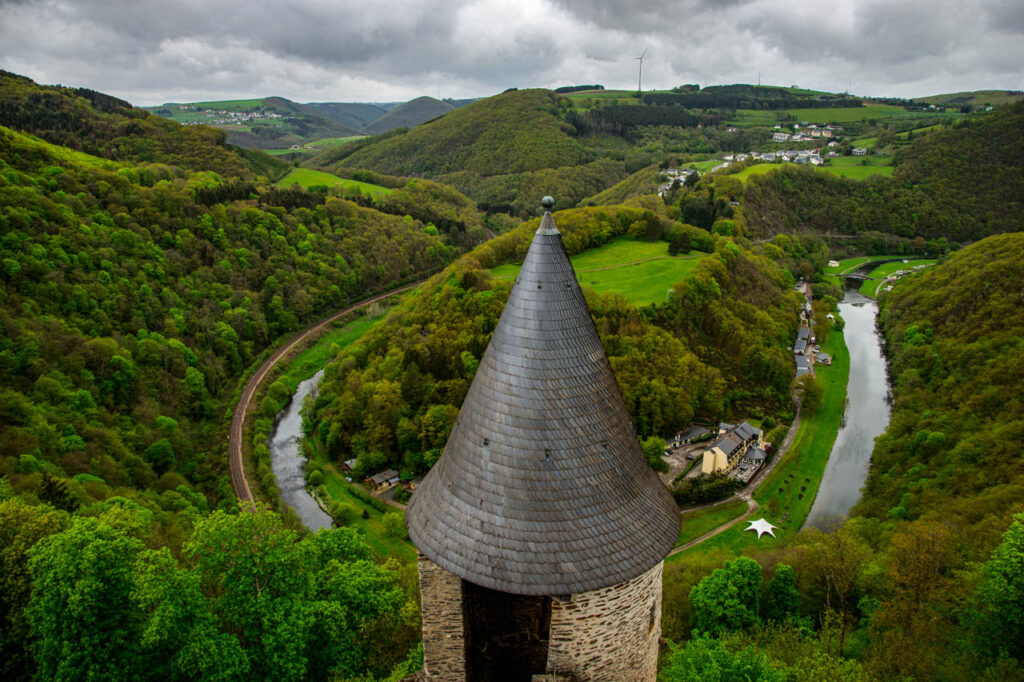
pixel 541 529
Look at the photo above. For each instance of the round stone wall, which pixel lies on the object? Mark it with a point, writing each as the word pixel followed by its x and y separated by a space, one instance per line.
pixel 608 635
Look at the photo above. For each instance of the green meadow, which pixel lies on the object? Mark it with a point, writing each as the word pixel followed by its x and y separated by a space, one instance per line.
pixel 855 167
pixel 756 169
pixel 305 177
pixel 641 271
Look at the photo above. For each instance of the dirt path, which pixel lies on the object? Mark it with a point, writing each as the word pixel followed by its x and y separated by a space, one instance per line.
pixel 244 406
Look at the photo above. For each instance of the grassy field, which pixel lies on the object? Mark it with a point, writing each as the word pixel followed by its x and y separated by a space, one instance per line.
pixel 701 166
pixel 854 167
pixel 311 360
pixel 308 178
pixel 64 153
pixel 756 169
pixel 917 131
pixel 641 271
pixel 704 521
pixel 871 286
pixel 802 466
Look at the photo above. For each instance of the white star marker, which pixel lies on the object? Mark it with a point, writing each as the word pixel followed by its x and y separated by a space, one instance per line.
pixel 762 527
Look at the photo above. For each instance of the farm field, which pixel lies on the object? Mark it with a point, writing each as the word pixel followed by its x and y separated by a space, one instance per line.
pixel 304 177
pixel 803 465
pixel 704 521
pixel 641 271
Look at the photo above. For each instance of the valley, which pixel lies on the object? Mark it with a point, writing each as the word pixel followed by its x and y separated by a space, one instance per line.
pixel 171 291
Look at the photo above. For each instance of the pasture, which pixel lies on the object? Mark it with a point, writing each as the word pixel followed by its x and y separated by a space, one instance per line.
pixel 854 167
pixel 641 271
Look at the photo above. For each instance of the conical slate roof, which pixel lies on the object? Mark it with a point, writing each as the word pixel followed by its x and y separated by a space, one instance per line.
pixel 542 488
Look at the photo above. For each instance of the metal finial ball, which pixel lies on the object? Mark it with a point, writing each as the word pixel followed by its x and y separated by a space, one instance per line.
pixel 547 202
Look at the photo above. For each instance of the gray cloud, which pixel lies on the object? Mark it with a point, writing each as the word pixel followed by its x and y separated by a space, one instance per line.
pixel 150 52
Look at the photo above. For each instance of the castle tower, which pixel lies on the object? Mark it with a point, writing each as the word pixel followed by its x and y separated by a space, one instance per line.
pixel 541 529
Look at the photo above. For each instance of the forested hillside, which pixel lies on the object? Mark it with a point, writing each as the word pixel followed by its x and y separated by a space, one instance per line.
pixel 954 338
pixel 503 152
pixel 961 184
pixel 716 349
pixel 510 133
pixel 105 126
pixel 135 293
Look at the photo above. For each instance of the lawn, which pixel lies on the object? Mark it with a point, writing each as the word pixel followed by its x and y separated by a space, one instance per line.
pixel 641 271
pixel 802 466
pixel 304 177
pixel 704 521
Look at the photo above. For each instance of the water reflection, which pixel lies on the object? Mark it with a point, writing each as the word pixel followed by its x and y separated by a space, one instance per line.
pixel 865 418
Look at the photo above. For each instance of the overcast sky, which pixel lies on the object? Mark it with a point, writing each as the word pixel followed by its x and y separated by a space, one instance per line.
pixel 151 52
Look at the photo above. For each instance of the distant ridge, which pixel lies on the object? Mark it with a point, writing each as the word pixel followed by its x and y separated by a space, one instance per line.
pixel 355 115
pixel 409 115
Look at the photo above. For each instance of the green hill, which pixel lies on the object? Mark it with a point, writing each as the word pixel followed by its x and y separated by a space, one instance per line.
pixel 716 347
pixel 409 115
pixel 961 183
pixel 953 444
pixel 105 126
pixel 976 99
pixel 135 295
pixel 513 132
pixel 355 115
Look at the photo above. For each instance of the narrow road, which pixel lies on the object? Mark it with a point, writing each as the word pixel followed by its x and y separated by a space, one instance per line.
pixel 244 406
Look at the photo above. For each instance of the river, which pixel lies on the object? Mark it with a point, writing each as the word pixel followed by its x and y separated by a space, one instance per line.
pixel 289 465
pixel 866 415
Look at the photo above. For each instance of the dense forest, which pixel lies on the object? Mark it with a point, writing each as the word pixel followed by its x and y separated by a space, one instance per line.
pixel 137 290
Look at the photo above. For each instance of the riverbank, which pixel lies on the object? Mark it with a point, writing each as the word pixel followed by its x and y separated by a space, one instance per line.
pixel 867 415
pixel 787 494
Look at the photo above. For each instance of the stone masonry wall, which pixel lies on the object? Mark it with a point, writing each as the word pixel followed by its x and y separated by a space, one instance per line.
pixel 444 642
pixel 608 635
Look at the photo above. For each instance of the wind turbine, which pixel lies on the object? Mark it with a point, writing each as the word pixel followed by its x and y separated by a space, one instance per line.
pixel 639 79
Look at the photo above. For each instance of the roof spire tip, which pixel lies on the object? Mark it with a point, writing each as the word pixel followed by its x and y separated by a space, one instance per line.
pixel 547 223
